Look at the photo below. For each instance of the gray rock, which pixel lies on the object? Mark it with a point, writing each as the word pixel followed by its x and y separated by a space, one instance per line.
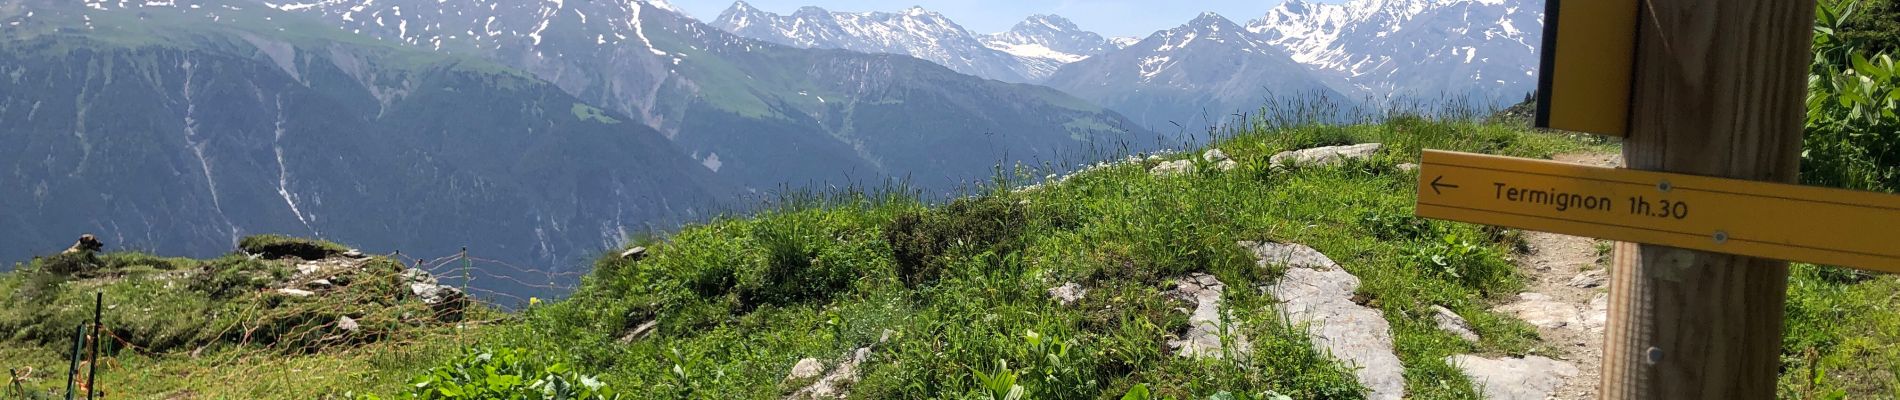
pixel 640 331
pixel 1451 323
pixel 354 253
pixel 1068 293
pixel 447 301
pixel 1172 168
pixel 834 384
pixel 306 269
pixel 1540 310
pixel 296 292
pixel 1290 256
pixel 1220 160
pixel 320 284
pixel 1528 378
pixel 1597 314
pixel 1590 279
pixel 636 254
pixel 1317 294
pixel 1206 326
pixel 806 368
pixel 1408 167
pixel 1326 156
pixel 347 324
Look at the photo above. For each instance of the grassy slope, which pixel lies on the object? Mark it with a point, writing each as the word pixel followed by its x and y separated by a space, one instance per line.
pixel 1119 231
pixel 739 300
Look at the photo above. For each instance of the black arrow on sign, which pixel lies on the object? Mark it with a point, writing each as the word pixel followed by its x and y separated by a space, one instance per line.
pixel 1436 184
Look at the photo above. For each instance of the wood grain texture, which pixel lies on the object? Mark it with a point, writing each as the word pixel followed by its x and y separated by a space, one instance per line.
pixel 1718 91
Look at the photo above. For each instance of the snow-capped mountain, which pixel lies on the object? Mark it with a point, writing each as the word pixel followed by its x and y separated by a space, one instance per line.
pixel 914 32
pixel 1395 50
pixel 1047 42
pixel 1192 76
pixel 524 106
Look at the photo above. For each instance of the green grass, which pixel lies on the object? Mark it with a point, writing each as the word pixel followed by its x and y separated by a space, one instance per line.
pixel 217 329
pixel 961 289
pixel 962 286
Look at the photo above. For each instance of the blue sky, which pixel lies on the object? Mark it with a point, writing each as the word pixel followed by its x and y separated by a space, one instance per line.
pixel 1107 17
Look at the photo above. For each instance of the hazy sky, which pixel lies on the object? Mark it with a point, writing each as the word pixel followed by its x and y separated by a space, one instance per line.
pixel 1107 17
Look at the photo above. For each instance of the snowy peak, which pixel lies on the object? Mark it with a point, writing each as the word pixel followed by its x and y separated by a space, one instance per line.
pixel 921 33
pixel 1212 28
pixel 1483 49
pixel 1049 37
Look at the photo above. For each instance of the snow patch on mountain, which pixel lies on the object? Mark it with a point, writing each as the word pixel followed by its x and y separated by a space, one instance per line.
pixel 1414 48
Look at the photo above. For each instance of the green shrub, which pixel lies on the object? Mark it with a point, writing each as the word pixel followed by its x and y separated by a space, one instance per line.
pixel 272 247
pixel 1468 262
pixel 920 239
pixel 1853 131
pixel 70 264
pixel 506 374
pixel 230 275
pixel 799 264
pixel 1390 223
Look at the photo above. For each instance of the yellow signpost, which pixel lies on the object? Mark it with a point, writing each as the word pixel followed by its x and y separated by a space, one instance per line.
pixel 1589 47
pixel 1752 218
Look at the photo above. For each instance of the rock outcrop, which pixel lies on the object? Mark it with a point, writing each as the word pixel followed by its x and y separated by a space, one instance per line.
pixel 1317 294
pixel 1325 156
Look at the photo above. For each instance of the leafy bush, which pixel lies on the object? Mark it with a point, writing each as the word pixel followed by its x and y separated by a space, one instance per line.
pixel 801 262
pixel 1389 223
pixel 69 264
pixel 272 247
pixel 1468 262
pixel 234 274
pixel 505 374
pixel 1853 132
pixel 920 239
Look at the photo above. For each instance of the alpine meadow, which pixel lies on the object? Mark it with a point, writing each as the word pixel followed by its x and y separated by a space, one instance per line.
pixel 632 199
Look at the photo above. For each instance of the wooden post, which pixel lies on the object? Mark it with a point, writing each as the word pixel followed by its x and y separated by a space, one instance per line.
pixel 92 367
pixel 1719 90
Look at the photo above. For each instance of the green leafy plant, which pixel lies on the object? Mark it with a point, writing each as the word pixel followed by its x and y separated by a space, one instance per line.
pixel 506 374
pixel 1000 384
pixel 1461 260
pixel 1853 131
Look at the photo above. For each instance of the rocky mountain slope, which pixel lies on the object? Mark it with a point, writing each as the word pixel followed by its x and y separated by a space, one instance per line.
pixel 1044 43
pixel 1385 51
pixel 154 130
pixel 529 131
pixel 1193 76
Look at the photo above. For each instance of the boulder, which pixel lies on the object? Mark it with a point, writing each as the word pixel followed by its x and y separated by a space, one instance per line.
pixel 1451 323
pixel 1068 293
pixel 641 331
pixel 636 254
pixel 1540 310
pixel 1590 279
pixel 1528 378
pixel 1325 156
pixel 1220 160
pixel 1317 294
pixel 1172 168
pixel 1597 314
pixel 347 324
pixel 833 385
pixel 807 368
pixel 1205 325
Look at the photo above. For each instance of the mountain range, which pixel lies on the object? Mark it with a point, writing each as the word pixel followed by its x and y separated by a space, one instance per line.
pixel 542 131
pixel 1374 54
pixel 537 133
